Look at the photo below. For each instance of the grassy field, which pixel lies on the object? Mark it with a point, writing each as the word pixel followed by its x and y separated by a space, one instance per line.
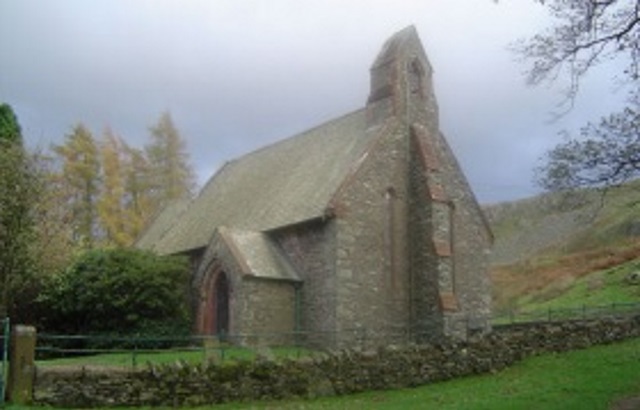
pixel 580 380
pixel 225 354
pixel 602 287
pixel 598 278
pixel 542 246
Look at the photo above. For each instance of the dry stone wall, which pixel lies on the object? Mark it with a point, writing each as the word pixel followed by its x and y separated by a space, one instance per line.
pixel 337 373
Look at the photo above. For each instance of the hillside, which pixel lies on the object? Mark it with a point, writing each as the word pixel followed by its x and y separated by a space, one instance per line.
pixel 544 245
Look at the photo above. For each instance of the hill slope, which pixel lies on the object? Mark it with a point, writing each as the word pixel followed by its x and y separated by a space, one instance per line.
pixel 545 244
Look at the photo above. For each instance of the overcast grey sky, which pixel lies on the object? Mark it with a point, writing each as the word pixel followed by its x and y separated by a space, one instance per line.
pixel 240 74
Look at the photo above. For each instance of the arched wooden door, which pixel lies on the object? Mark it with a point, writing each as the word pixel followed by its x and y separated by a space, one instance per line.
pixel 215 310
pixel 221 308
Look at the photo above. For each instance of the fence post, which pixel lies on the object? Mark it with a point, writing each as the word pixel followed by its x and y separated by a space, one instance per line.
pixel 6 332
pixel 134 353
pixel 221 338
pixel 21 364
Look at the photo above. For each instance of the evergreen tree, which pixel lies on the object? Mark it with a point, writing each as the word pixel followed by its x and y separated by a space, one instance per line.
pixel 81 175
pixel 52 219
pixel 171 174
pixel 138 200
pixel 17 197
pixel 9 127
pixel 113 216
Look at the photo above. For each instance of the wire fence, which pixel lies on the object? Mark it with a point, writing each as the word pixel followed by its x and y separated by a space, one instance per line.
pixel 135 351
pixel 581 312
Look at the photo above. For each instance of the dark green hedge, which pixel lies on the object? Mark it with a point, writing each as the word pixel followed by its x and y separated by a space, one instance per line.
pixel 118 292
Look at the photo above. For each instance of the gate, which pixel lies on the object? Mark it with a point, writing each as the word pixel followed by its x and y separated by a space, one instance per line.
pixel 5 327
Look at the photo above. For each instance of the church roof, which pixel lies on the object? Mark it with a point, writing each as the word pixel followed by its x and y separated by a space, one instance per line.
pixel 257 255
pixel 282 184
pixel 161 223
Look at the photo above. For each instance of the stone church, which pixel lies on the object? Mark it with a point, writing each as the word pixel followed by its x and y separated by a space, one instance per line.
pixel 364 225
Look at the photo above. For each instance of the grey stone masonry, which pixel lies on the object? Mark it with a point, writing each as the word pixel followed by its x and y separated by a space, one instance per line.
pixel 363 227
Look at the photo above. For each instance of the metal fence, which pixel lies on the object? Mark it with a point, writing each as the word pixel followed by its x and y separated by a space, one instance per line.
pixel 581 312
pixel 134 351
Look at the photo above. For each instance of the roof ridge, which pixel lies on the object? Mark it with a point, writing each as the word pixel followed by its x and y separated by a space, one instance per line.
pixel 294 136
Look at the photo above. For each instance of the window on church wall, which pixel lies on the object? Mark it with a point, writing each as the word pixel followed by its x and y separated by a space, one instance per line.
pixel 391 208
pixel 452 241
pixel 416 78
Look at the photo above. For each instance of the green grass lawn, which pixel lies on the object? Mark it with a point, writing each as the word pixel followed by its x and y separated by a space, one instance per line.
pixel 194 355
pixel 580 380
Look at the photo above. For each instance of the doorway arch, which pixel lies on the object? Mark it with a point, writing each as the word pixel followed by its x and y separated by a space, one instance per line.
pixel 215 313
pixel 220 316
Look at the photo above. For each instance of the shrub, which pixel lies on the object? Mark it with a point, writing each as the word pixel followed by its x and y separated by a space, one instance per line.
pixel 118 292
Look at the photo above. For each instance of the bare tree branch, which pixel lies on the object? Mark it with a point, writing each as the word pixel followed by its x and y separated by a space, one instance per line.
pixel 586 33
pixel 605 154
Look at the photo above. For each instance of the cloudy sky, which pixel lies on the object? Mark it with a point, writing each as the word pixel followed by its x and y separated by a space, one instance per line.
pixel 240 74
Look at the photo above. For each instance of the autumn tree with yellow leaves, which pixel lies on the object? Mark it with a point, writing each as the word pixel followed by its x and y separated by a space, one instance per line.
pixel 110 190
pixel 80 173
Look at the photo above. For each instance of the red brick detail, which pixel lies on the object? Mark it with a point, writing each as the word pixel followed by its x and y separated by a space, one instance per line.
pixel 431 160
pixel 449 301
pixel 443 248
pixel 428 154
pixel 437 193
pixel 338 210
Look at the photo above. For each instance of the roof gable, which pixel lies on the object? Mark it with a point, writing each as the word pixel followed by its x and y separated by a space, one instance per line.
pixel 256 255
pixel 282 184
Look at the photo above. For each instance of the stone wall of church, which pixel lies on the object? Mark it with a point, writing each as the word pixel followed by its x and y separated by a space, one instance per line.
pixel 311 248
pixel 372 261
pixel 427 320
pixel 269 316
pixel 448 240
pixel 460 239
pixel 470 238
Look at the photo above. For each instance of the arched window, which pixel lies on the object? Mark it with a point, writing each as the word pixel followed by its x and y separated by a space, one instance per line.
pixel 390 236
pixel 416 78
